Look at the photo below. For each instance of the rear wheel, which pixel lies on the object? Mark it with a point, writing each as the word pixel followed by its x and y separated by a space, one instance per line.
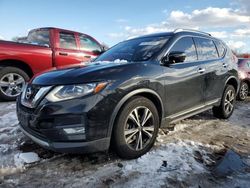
pixel 136 128
pixel 12 81
pixel 226 107
pixel 244 90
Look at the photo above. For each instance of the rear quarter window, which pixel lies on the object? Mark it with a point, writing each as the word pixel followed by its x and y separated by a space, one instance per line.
pixel 39 37
pixel 206 49
pixel 220 48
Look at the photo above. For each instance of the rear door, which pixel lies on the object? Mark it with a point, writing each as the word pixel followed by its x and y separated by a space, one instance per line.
pixel 184 81
pixel 215 67
pixel 67 51
pixel 89 48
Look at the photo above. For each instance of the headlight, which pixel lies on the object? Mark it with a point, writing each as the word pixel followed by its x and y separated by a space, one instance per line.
pixel 66 92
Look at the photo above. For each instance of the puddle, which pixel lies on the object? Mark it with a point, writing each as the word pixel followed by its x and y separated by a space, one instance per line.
pixel 231 162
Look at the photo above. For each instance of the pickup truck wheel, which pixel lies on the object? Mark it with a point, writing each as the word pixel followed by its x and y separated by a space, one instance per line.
pixel 226 108
pixel 243 93
pixel 12 81
pixel 136 128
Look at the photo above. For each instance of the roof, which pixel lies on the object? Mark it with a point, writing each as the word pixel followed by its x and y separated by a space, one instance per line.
pixel 57 28
pixel 178 31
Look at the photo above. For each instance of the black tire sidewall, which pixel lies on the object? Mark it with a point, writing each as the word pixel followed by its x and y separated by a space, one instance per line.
pixel 7 70
pixel 121 147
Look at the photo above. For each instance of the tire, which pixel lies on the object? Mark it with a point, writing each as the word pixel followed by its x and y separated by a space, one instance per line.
pixel 126 132
pixel 226 108
pixel 12 81
pixel 243 92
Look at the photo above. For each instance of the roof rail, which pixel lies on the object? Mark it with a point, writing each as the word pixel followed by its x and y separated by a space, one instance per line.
pixel 191 30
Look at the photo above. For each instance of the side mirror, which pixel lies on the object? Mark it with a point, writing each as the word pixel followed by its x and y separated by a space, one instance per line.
pixel 173 57
pixel 97 52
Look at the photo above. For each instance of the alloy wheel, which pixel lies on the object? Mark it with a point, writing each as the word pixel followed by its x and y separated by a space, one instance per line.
pixel 229 101
pixel 243 91
pixel 139 128
pixel 12 84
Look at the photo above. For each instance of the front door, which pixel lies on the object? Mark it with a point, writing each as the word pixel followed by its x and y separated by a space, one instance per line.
pixel 89 48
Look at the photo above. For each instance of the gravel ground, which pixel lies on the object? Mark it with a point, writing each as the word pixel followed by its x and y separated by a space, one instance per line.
pixel 201 151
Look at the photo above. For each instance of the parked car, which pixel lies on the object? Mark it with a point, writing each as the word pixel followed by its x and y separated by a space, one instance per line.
pixel 244 75
pixel 42 49
pixel 128 92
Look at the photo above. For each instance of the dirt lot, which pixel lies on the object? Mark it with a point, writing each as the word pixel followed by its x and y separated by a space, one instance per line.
pixel 201 151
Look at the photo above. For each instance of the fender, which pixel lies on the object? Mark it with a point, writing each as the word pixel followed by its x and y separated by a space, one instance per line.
pixel 236 79
pixel 124 99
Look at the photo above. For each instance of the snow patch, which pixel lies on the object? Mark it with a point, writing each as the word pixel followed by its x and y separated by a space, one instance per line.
pixel 178 127
pixel 3 137
pixel 167 161
pixel 120 61
pixel 8 119
pixel 25 158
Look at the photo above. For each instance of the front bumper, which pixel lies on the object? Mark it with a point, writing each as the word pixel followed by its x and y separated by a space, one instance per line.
pixel 68 147
pixel 46 123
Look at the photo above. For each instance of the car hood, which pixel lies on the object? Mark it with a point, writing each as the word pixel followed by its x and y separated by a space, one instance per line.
pixel 89 72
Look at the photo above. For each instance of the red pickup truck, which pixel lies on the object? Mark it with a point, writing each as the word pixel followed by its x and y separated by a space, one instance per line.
pixel 42 49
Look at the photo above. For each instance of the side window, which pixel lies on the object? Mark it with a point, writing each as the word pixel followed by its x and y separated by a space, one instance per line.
pixel 185 45
pixel 220 48
pixel 39 37
pixel 88 44
pixel 248 64
pixel 67 41
pixel 206 49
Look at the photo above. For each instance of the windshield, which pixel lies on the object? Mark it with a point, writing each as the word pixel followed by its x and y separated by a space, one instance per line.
pixel 140 49
pixel 39 37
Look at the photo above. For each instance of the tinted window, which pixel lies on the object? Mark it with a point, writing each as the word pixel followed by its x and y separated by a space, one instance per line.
pixel 220 47
pixel 187 46
pixel 248 64
pixel 88 44
pixel 240 62
pixel 67 41
pixel 140 49
pixel 39 37
pixel 206 49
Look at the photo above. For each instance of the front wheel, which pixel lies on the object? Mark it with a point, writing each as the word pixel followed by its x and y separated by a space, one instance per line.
pixel 12 81
pixel 136 128
pixel 244 90
pixel 226 108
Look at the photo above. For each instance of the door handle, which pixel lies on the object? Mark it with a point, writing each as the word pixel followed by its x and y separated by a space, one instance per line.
pixel 63 54
pixel 201 70
pixel 224 65
pixel 87 56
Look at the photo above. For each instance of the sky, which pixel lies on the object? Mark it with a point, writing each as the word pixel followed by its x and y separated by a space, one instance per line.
pixel 112 21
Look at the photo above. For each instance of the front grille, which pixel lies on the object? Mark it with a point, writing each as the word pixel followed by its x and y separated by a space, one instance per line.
pixel 33 94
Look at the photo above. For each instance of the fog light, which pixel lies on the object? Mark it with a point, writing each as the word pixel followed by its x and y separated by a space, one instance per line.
pixel 77 130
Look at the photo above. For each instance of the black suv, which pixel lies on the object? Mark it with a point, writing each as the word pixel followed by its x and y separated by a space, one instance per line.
pixel 128 92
